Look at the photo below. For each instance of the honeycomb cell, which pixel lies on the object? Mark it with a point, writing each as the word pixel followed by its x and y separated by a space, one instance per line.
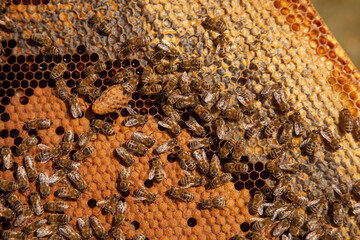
pixel 11 59
pixel 75 58
pixel 6 68
pixel 10 92
pixel 2 109
pixel 24 84
pixel 239 185
pixel 4 133
pixel 94 57
pixel 43 84
pixel 20 76
pixel 85 58
pixel 24 100
pixel 10 76
pixel 148 183
pixel 139 70
pixel 134 225
pixel 2 92
pixel 259 183
pixel 5 101
pixel 92 203
pixel 249 184
pixel 29 75
pixel 6 225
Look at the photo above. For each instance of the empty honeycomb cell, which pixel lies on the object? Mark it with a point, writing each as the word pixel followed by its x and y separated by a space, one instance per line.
pixel 20 76
pixel 7 52
pixel 2 109
pixel 75 58
pixel 24 84
pixel 11 59
pixel 10 76
pixel 6 68
pixel 71 66
pixel 85 58
pixel 2 92
pixel 94 57
pixel 4 133
pixel 10 92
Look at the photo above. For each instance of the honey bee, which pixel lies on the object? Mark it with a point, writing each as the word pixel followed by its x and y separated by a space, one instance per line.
pixel 124 155
pixel 277 152
pixel 143 138
pixel 8 186
pixel 200 156
pixel 103 127
pixel 236 167
pixel 84 227
pixel 343 191
pixel 347 122
pixel 7 157
pixel 61 90
pixel 214 166
pixel 123 180
pixel 274 170
pixel 101 24
pixel 166 68
pixel 86 137
pixel 170 112
pixel 6 213
pixel 68 140
pixel 23 218
pixel 66 163
pixel 247 100
pixel 75 109
pixel 147 75
pixel 197 143
pixel 282 186
pixel 15 204
pixel 281 227
pixel 220 180
pixel 131 85
pixel 186 161
pixel 254 236
pixel 58 219
pixel 68 232
pixel 124 75
pixel 144 195
pixel 169 88
pixel 13 235
pixel 184 84
pixel 149 90
pixel 109 204
pixel 252 129
pixel 214 24
pixel 58 71
pixel 186 101
pixel 268 90
pixel 195 127
pixel 338 213
pixel 91 92
pixel 282 105
pixel 356 188
pixel 233 115
pixel 223 103
pixel 47 230
pixel 98 67
pixel 299 128
pixel 34 226
pixel 285 133
pixel 215 202
pixel 126 51
pixel 238 150
pixel 210 95
pixel 38 124
pixel 295 198
pixel 77 180
pixel 48 153
pixel 310 143
pixel 356 129
pixel 165 50
pixel 165 146
pixel 56 206
pixel 180 194
pixel 297 222
pixel 22 179
pixel 120 213
pixel 270 128
pixel 89 80
pixel 191 181
pixel 330 138
pixel 259 224
pixel 317 206
pixel 136 148
pixel 7 23
pixel 225 150
pixel 256 206
pixel 157 171
pixel 273 208
pixel 26 145
pixel 41 39
pixel 222 45
pixel 220 128
pixel 135 121
pixel 49 50
pixel 140 41
pixel 191 65
pixel 139 237
pixel 44 187
pixel 117 233
pixel 83 153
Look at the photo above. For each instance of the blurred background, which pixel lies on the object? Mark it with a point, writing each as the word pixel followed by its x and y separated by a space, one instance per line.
pixel 343 19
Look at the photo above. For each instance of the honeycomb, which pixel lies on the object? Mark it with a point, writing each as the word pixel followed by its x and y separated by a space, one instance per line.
pixel 270 41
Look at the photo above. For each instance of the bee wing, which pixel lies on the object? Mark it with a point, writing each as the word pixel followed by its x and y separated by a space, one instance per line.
pixel 187 185
pixel 138 136
pixel 242 100
pixel 164 45
pixel 131 110
pixel 190 123
pixel 163 124
pixel 139 198
pixel 298 128
pixel 316 201
pixel 125 173
pixel 267 89
pixel 43 178
pixel 162 148
pixel 218 48
pixel 132 122
pixel 21 173
pixel 305 142
pixel 152 173
pixel 76 111
pixel 336 189
pixel 277 212
pixel 164 173
pixel 184 78
pixel 43 147
pixel 325 135
pixel 183 165
pixel 81 223
pixel 278 97
pixel 248 126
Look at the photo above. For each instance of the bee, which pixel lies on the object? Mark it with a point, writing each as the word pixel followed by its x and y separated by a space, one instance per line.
pixel 222 45
pixel 139 237
pixel 165 50
pixel 38 124
pixel 7 157
pixel 256 206
pixel 66 163
pixel 86 137
pixel 47 230
pixel 58 219
pixel 214 166
pixel 220 128
pixel 268 90
pixel 274 170
pixel 6 213
pixel 143 138
pixel 147 75
pixel 347 122
pixel 356 188
pixel 223 103
pixel 7 23
pixel 330 138
pixel 233 115
pixel 170 112
pixel 219 180
pixel 281 227
pixel 169 87
pixel 277 152
pixel 338 213
pixel 117 233
pixel 259 224
pixel 84 227
pixel 109 204
pixel 131 85
pixel 49 153
pixel 191 181
pixel 89 80
pixel 282 105
pixel 197 143
pixel 120 213
pixel 166 68
pixel 61 90
pixel 215 202
pixel 191 65
pixel 13 235
pixel 44 187
pixel 254 236
pixel 49 50
pixel 184 84
pixel 15 203
pixel 200 156
pixel 23 218
pixel 126 51
pixel 238 150
pixel 165 146
pixel 144 195
pixel 285 133
pixel 124 75
pixel 186 101
pixel 186 161
pixel 236 167
pixel 149 90
pixel 282 186
pixel 247 100
pixel 210 95
pixel 180 194
pixel 58 71
pixel 124 155
pixel 295 198
pixel 299 128
pixel 68 140
pixel 273 208
pixel 34 226
pixel 77 180
pixel 269 129
pixel 135 121
pixel 22 178
pixel 195 127
pixel 228 146
pixel 56 206
pixel 356 128
pixel 343 191
pixel 140 41
pixel 316 206
pixel 83 153
pixel 214 24
pixel 297 222
pixel 8 186
pixel 136 147
pixel 75 109
pixel 103 127
pixel 157 171
pixel 26 145
pixel 68 232
pixel 98 67
pixel 101 24
pixel 91 92
pixel 310 143
pixel 252 129
pixel 41 39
